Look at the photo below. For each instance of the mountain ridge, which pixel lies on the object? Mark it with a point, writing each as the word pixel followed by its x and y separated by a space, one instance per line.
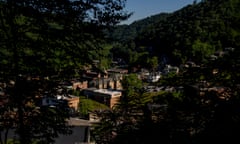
pixel 191 33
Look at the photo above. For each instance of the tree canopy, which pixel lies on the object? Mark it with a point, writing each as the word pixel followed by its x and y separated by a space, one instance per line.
pixel 43 42
pixel 55 36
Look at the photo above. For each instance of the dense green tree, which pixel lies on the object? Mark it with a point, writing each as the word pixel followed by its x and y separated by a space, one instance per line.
pixel 201 51
pixel 55 38
pixel 50 39
pixel 153 63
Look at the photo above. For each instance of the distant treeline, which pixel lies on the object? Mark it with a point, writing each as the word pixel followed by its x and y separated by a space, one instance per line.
pixel 192 33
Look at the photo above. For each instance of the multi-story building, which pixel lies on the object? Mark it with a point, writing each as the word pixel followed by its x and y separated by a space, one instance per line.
pixel 105 96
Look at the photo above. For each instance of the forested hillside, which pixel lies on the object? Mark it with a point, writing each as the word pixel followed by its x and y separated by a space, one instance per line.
pixel 192 33
pixel 124 33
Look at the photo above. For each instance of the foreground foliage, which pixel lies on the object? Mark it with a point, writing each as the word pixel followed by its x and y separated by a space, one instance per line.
pixel 43 42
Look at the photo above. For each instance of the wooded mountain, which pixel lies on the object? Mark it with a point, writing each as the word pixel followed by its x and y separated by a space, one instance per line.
pixel 192 33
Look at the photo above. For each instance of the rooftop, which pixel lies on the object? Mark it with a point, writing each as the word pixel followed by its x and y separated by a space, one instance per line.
pixel 79 122
pixel 107 91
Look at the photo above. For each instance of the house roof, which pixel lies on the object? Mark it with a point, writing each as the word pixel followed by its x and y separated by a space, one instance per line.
pixel 79 122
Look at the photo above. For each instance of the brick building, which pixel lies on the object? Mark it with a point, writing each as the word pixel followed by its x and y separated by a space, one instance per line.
pixel 73 101
pixel 105 96
pixel 79 85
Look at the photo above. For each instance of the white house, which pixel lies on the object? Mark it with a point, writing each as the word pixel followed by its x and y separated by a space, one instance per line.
pixel 154 77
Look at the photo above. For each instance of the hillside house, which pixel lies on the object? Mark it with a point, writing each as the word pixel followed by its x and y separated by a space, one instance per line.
pixel 117 71
pixel 94 74
pixel 170 69
pixel 154 77
pixel 71 100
